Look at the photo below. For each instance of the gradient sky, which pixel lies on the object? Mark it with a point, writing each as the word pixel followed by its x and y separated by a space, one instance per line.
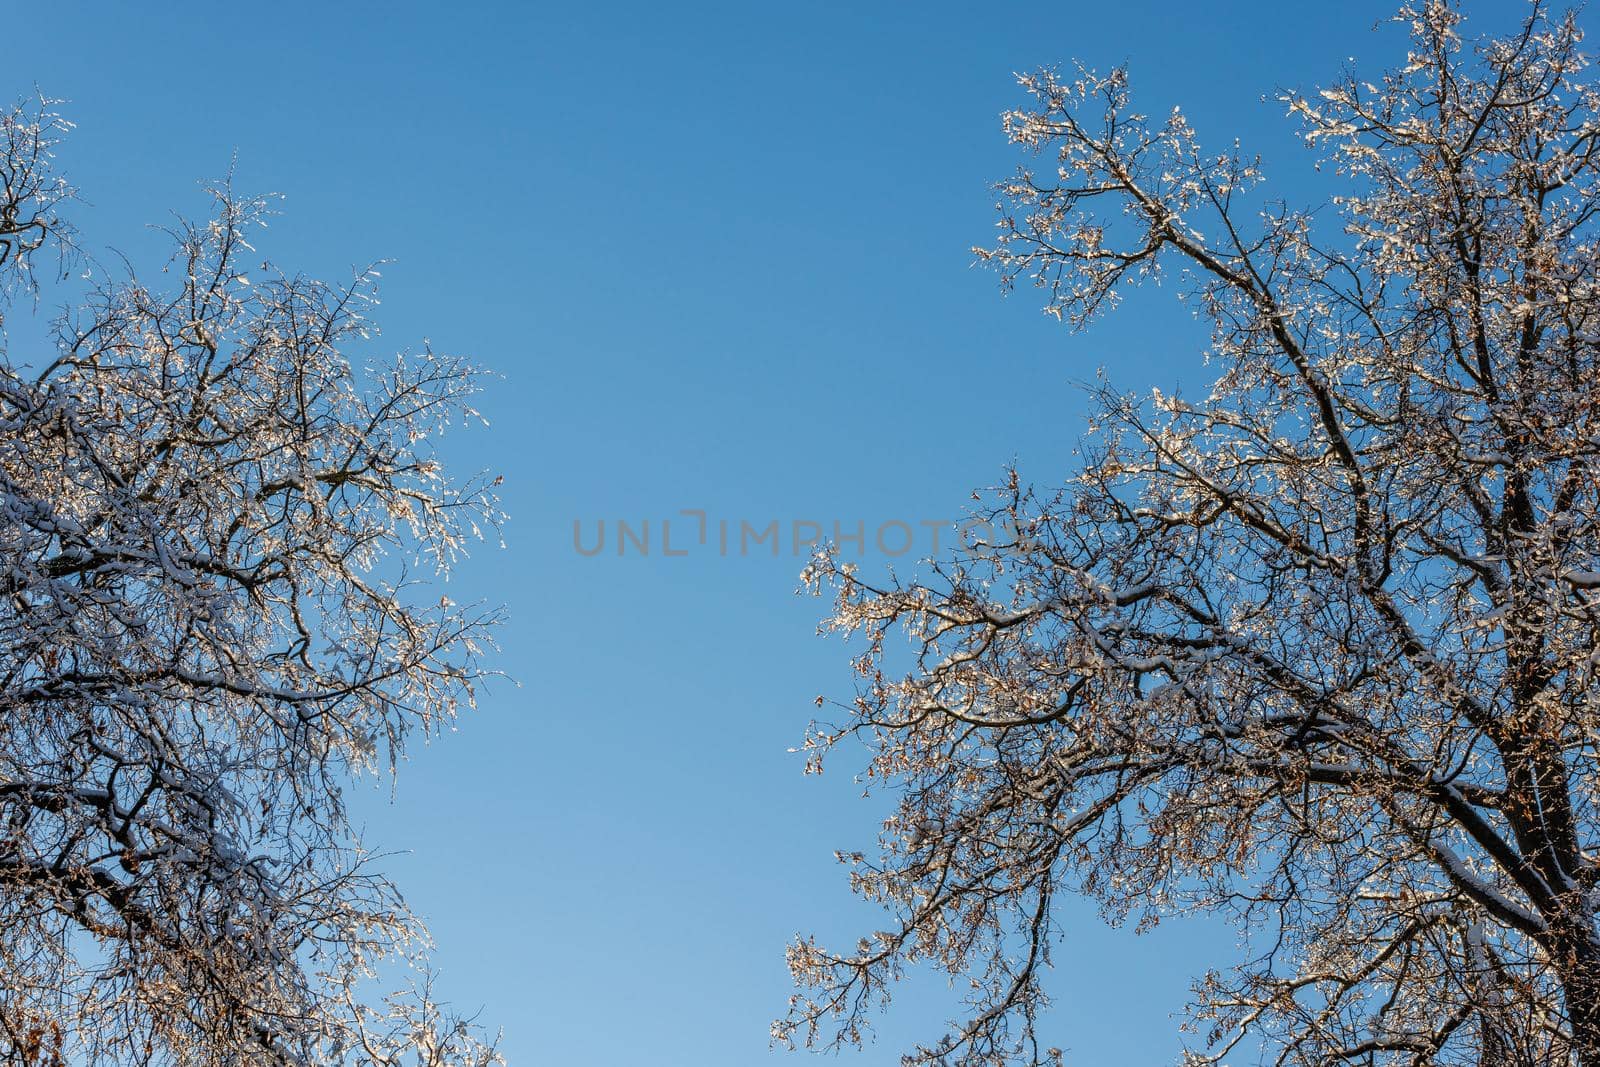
pixel 720 258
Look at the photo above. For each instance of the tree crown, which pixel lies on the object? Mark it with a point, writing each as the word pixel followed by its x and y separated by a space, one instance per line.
pixel 1315 650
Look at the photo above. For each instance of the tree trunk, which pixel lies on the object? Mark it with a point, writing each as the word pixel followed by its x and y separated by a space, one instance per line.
pixel 1581 983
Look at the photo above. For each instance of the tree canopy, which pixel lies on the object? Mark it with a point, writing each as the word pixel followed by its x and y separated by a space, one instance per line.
pixel 1315 650
pixel 217 533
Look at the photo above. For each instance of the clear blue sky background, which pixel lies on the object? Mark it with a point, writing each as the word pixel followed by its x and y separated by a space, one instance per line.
pixel 719 254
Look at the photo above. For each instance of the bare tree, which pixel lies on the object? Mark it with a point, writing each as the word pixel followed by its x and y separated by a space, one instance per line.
pixel 215 540
pixel 1317 650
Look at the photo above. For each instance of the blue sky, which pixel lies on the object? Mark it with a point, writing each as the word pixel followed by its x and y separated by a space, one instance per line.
pixel 719 256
